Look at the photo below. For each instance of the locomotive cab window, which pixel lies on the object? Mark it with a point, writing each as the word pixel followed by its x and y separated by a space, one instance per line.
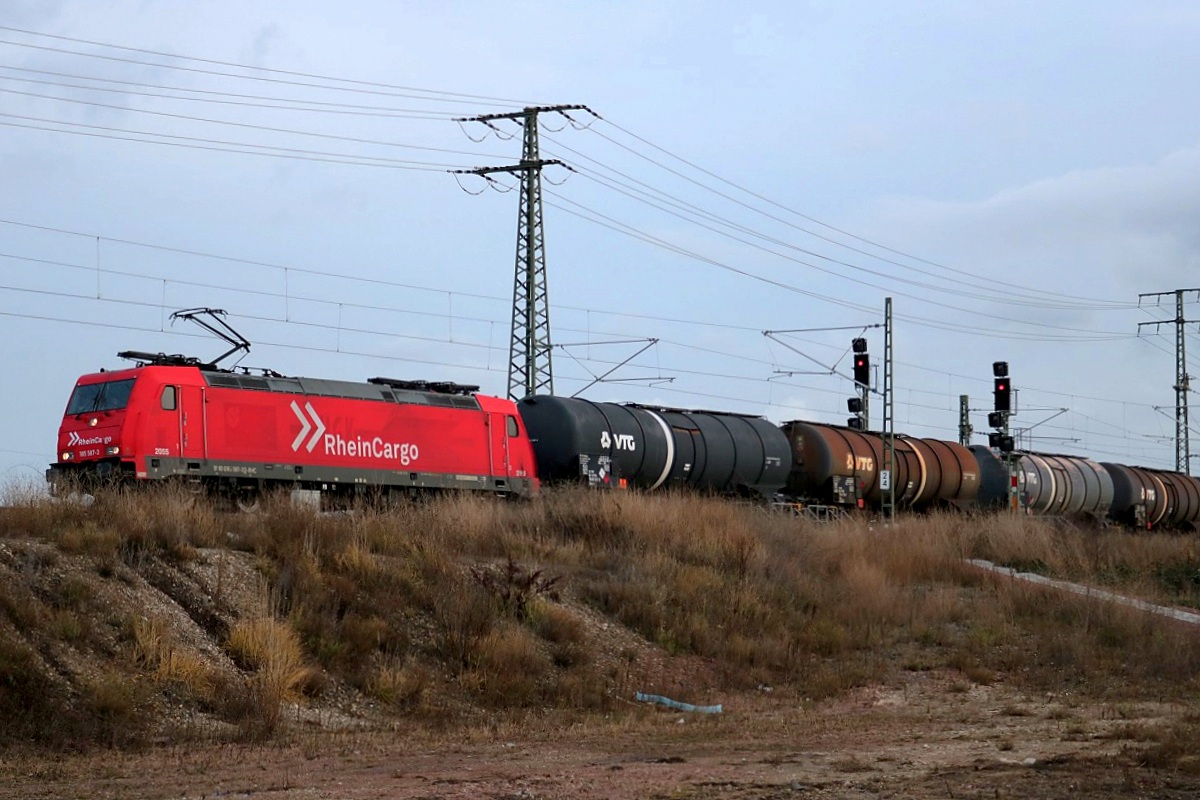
pixel 168 398
pixel 513 430
pixel 111 396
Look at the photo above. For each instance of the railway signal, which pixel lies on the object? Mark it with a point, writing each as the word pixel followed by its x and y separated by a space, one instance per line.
pixel 1000 441
pixel 855 406
pixel 862 369
pixel 859 406
pixel 1003 387
pixel 1003 394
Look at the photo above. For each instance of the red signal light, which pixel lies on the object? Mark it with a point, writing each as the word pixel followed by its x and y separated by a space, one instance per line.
pixel 1003 395
pixel 862 369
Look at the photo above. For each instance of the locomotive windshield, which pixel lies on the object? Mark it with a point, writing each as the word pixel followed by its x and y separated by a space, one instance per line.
pixel 91 397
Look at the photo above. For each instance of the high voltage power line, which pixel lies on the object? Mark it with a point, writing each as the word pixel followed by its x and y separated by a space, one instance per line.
pixel 346 84
pixel 386 283
pixel 800 215
pixel 272 102
pixel 348 329
pixel 340 84
pixel 345 350
pixel 972 286
pixel 199 143
pixel 1011 296
pixel 244 125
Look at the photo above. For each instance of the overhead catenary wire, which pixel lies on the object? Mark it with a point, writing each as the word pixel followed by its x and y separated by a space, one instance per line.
pixel 249 126
pixel 367 160
pixel 973 328
pixel 341 84
pixel 346 351
pixel 272 102
pixel 647 194
pixel 342 349
pixel 799 214
pixel 409 286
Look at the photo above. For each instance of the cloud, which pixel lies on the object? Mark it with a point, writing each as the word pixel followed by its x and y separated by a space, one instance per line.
pixel 1104 232
pixel 32 13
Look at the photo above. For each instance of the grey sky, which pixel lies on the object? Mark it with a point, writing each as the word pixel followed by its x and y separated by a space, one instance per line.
pixel 1014 147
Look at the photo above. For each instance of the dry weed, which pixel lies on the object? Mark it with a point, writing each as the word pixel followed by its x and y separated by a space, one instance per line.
pixel 509 666
pixel 156 650
pixel 400 684
pixel 270 648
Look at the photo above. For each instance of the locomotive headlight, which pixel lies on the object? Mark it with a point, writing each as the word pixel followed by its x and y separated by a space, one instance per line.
pixel 67 455
pixel 93 421
pixel 112 451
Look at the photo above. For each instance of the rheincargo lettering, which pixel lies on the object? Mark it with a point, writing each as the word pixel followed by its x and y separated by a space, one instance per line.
pixel 404 452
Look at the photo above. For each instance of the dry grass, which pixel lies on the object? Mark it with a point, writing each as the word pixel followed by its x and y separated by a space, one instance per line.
pixel 400 684
pixel 450 598
pixel 123 523
pixel 156 650
pixel 508 667
pixel 271 649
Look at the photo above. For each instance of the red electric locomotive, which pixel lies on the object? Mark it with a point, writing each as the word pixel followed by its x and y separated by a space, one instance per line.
pixel 174 418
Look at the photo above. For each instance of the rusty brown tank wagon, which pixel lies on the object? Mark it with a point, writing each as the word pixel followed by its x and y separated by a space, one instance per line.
pixel 841 466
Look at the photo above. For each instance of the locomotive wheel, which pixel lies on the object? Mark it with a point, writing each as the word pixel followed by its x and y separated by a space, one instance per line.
pixel 191 492
pixel 248 502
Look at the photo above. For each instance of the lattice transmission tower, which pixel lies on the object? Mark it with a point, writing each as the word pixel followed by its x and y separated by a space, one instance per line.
pixel 530 368
pixel 1182 378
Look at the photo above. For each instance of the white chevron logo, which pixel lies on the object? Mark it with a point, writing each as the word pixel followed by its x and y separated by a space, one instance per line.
pixel 75 440
pixel 306 426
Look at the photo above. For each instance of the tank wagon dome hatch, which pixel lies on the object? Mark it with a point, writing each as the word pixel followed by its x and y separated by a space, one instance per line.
pixel 649 447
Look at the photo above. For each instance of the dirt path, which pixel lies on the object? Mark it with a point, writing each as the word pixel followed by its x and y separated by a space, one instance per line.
pixel 933 736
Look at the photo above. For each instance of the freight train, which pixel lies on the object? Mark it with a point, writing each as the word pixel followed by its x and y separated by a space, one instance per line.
pixel 173 418
pixel 833 467
pixel 840 466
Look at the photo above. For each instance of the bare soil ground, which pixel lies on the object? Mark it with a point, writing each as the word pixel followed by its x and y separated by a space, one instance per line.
pixel 123 626
pixel 932 735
